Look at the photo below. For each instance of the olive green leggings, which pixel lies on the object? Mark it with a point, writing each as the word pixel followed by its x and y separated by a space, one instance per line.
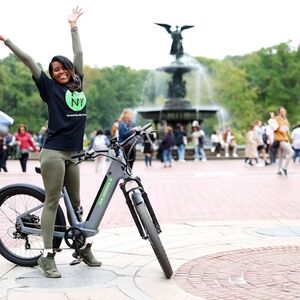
pixel 57 169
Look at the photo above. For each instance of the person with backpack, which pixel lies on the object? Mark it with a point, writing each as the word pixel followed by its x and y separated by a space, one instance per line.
pixel 100 143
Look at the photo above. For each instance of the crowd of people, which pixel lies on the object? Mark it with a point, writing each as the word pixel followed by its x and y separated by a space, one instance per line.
pixel 271 140
pixel 170 143
pixel 265 143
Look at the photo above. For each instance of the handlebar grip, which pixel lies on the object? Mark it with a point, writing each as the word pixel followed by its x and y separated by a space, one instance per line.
pixel 78 155
pixel 146 126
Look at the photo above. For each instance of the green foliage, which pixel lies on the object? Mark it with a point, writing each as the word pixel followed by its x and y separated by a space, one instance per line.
pixel 251 86
pixel 233 93
pixel 274 73
pixel 19 96
pixel 109 91
pixel 247 87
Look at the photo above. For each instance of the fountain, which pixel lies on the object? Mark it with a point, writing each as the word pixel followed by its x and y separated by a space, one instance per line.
pixel 178 80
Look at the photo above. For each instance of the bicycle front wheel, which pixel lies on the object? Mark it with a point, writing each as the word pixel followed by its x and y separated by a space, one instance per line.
pixel 21 248
pixel 154 239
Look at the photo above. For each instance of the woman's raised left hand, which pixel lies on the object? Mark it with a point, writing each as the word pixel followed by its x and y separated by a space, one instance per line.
pixel 76 13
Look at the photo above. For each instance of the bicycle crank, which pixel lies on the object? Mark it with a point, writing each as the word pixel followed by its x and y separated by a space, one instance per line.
pixel 74 238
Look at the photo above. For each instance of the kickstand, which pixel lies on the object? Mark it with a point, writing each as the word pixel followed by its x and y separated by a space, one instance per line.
pixel 78 259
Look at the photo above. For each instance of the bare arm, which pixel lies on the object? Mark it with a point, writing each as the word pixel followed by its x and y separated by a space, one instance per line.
pixel 25 58
pixel 77 50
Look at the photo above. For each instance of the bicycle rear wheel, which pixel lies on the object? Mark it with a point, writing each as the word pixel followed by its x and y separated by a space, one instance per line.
pixel 154 239
pixel 20 248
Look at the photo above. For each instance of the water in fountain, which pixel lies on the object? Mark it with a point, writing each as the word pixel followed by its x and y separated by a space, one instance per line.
pixel 198 83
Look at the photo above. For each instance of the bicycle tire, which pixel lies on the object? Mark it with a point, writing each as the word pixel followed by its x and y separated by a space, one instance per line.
pixel 154 239
pixel 15 200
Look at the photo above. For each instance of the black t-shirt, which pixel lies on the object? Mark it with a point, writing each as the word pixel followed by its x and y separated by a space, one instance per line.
pixel 66 115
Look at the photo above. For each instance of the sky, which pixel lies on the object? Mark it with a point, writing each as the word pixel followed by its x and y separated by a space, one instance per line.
pixel 122 32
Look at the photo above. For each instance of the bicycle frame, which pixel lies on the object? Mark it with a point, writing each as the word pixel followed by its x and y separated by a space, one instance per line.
pixel 114 174
pixel 130 185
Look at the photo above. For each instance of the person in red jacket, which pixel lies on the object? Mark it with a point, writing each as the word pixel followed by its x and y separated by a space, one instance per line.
pixel 24 141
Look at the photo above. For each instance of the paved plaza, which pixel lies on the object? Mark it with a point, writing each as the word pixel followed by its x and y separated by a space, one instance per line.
pixel 230 231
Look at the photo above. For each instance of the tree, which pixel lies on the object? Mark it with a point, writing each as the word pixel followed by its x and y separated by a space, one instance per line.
pixel 19 96
pixel 274 72
pixel 232 92
pixel 109 91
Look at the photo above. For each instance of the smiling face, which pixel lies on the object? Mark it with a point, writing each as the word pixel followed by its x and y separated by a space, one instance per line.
pixel 60 73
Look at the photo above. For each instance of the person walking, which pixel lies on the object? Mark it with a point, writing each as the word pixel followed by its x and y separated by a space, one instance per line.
pixel 3 154
pixel 100 143
pixel 295 136
pixel 24 140
pixel 149 147
pixel 167 144
pixel 280 125
pixel 198 136
pixel 201 144
pixel 251 151
pixel 180 141
pixel 66 104
pixel 261 134
pixel 41 137
pixel 195 139
pixel 161 134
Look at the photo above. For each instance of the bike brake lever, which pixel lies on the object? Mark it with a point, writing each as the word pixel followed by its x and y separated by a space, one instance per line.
pixel 138 130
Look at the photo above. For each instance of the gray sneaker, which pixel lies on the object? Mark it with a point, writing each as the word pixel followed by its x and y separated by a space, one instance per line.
pixel 48 266
pixel 88 257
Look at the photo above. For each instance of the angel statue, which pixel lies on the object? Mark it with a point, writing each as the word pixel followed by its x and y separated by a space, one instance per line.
pixel 176 47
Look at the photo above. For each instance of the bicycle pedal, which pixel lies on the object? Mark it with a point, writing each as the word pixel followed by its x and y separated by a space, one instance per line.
pixel 76 262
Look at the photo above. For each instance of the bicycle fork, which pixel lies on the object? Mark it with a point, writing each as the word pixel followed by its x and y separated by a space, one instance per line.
pixel 137 200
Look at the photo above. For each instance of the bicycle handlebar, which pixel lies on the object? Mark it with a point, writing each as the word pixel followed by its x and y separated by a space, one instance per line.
pixel 81 154
pixel 90 152
pixel 78 155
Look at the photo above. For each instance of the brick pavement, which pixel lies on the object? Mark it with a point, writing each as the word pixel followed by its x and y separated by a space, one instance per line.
pixel 255 273
pixel 210 214
pixel 211 191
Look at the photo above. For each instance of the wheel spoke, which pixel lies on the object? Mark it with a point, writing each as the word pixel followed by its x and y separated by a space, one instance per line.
pixel 17 247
